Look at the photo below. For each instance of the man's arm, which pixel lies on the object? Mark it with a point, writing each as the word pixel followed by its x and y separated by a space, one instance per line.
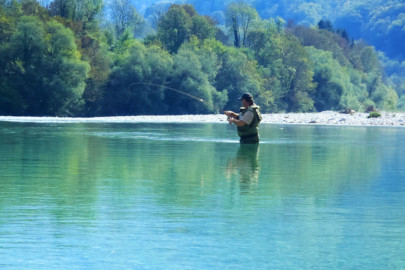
pixel 246 119
pixel 237 122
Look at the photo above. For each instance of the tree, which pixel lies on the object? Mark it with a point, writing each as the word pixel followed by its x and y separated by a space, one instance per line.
pixel 384 29
pixel 175 28
pixel 50 75
pixel 188 77
pixel 384 97
pixel 296 78
pixel 340 87
pixel 133 87
pixel 369 60
pixel 284 65
pixel 203 27
pixel 206 55
pixel 180 23
pixel 155 12
pixel 325 40
pixel 237 75
pixel 83 11
pixel 247 17
pixel 125 16
pixel 401 103
pixel 46 69
pixel 329 88
pixel 326 24
pixel 239 19
pixel 265 41
pixel 96 52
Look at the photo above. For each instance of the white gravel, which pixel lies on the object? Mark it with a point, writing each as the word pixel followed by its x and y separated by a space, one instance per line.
pixel 336 118
pixel 321 118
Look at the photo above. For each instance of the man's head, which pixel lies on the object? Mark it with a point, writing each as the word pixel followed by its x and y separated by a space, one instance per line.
pixel 247 99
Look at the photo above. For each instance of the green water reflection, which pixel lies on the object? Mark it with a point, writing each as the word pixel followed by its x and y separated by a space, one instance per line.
pixel 87 193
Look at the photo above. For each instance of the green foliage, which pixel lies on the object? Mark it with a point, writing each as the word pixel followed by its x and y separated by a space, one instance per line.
pixel 356 78
pixel 266 42
pixel 85 11
pixel 374 115
pixel 340 87
pixel 44 68
pixel 239 19
pixel 60 62
pixel 285 67
pixel 296 80
pixel 395 70
pixel 324 40
pixel 97 54
pixel 125 92
pixel 208 52
pixel 329 89
pixel 125 16
pixel 180 23
pixel 203 27
pixel 325 24
pixel 401 103
pixel 188 77
pixel 337 87
pixel 385 28
pixel 175 28
pixel 237 75
pixel 27 41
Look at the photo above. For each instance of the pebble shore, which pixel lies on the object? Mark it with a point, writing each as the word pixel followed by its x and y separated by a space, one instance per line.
pixel 320 118
pixel 336 118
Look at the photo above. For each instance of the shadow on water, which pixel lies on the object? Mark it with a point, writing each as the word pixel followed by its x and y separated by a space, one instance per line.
pixel 246 164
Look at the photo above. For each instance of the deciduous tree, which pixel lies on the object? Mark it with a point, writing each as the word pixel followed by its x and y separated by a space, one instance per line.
pixel 239 19
pixel 50 75
pixel 125 16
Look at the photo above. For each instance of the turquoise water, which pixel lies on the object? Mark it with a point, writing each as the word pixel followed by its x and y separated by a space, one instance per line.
pixel 188 196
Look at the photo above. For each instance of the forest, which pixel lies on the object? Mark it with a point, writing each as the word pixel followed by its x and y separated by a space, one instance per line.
pixel 93 58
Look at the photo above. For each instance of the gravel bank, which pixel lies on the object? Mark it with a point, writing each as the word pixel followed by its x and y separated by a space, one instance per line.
pixel 321 118
pixel 335 118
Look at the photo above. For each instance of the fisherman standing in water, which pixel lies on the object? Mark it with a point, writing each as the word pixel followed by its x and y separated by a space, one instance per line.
pixel 247 121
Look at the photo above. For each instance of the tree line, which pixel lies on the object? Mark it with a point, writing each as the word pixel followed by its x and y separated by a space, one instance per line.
pixel 378 22
pixel 70 59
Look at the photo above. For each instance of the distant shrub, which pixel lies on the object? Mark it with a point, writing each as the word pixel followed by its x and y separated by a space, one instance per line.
pixel 374 115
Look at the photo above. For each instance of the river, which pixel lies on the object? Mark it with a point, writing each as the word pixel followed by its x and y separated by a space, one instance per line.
pixel 104 195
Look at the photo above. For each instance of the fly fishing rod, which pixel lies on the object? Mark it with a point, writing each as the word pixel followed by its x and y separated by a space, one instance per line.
pixel 177 91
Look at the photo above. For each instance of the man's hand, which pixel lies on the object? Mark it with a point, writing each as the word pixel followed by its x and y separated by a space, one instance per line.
pixel 237 122
pixel 231 114
pixel 228 113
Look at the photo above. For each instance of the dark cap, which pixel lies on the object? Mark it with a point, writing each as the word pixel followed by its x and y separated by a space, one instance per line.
pixel 247 97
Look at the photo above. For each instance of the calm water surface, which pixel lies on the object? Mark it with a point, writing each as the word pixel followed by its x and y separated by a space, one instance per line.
pixel 188 196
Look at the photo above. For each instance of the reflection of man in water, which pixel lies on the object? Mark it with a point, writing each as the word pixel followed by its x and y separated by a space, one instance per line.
pixel 247 164
pixel 247 120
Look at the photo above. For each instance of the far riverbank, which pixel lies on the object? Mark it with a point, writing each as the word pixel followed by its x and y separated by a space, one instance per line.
pixel 319 118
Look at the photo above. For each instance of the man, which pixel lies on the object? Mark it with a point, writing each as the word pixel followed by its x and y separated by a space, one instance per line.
pixel 247 121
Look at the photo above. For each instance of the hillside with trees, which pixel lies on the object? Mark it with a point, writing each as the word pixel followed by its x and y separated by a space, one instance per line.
pixel 378 23
pixel 72 59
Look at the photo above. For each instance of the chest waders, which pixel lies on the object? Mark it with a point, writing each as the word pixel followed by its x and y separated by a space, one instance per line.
pixel 250 133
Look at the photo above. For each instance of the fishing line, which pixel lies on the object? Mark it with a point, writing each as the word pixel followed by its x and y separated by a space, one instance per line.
pixel 175 90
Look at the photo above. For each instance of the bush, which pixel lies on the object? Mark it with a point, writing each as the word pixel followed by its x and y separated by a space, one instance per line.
pixel 374 115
